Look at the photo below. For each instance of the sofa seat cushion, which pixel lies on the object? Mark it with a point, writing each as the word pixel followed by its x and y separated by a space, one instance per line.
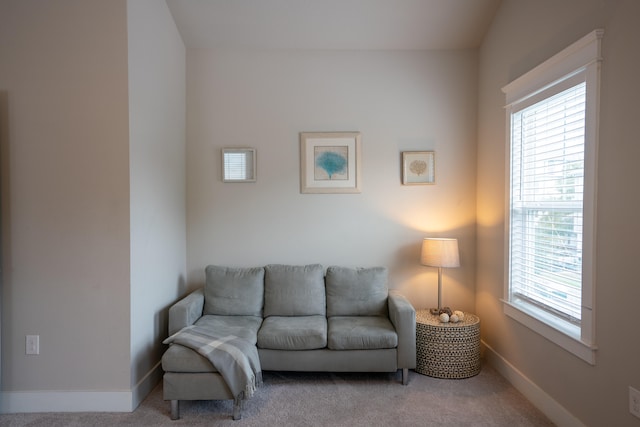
pixel 361 333
pixel 294 290
pixel 293 333
pixel 357 291
pixel 245 327
pixel 178 358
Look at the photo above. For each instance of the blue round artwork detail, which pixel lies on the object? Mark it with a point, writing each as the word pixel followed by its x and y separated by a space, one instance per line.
pixel 332 163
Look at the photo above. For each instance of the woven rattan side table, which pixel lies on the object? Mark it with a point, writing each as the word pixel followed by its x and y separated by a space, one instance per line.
pixel 447 350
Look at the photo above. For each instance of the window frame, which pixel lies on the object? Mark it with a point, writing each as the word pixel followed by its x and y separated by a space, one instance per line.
pixel 583 56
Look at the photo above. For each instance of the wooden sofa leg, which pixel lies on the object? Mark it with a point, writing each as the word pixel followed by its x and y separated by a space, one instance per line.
pixel 237 409
pixel 175 409
pixel 405 376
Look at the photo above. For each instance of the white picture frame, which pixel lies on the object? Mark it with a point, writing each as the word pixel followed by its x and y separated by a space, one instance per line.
pixel 418 167
pixel 330 162
pixel 239 165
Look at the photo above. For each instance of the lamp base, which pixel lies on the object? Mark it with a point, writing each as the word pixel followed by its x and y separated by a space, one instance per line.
pixel 439 311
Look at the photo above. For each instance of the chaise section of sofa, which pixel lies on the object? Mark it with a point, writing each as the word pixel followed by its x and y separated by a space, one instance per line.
pixel 300 319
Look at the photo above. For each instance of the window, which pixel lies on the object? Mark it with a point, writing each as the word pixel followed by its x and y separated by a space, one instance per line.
pixel 547 185
pixel 552 116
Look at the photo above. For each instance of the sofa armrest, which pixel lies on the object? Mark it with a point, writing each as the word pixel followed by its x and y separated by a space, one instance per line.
pixel 186 311
pixel 403 316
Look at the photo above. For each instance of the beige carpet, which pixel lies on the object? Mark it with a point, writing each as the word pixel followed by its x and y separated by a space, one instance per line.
pixel 324 399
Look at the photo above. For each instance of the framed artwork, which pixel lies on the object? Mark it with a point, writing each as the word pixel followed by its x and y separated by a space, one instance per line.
pixel 330 162
pixel 238 165
pixel 418 167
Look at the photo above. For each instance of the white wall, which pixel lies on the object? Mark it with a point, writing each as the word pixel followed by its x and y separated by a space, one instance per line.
pixel 399 101
pixel 522 35
pixel 157 109
pixel 65 218
pixel 93 203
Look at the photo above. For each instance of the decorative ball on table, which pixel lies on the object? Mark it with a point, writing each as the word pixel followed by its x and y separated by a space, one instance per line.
pixel 446 315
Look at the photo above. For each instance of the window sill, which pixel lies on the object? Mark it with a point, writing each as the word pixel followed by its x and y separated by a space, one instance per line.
pixel 562 333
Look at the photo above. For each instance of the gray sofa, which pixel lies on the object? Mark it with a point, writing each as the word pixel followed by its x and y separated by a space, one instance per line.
pixel 299 318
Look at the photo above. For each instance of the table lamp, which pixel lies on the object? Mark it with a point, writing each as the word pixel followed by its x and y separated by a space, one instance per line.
pixel 441 253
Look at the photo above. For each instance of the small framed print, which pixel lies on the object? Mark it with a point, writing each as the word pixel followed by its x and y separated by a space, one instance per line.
pixel 330 162
pixel 418 167
pixel 238 165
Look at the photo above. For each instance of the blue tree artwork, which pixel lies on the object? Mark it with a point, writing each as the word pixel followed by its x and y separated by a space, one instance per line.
pixel 331 163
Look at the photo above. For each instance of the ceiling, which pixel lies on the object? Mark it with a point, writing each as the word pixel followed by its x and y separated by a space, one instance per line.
pixel 333 24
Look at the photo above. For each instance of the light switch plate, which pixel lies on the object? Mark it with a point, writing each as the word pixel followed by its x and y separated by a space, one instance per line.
pixel 33 344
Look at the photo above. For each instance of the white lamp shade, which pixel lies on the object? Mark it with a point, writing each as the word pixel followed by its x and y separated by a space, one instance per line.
pixel 438 252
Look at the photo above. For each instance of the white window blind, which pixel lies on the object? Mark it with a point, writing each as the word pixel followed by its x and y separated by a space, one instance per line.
pixel 547 186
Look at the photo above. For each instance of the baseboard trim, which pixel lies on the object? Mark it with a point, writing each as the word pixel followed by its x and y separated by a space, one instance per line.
pixel 12 402
pixel 537 396
pixel 146 385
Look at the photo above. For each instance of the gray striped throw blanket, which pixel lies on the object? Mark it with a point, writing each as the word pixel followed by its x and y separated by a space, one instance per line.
pixel 236 359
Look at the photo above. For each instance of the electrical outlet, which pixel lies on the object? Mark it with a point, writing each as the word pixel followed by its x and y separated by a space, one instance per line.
pixel 33 344
pixel 634 401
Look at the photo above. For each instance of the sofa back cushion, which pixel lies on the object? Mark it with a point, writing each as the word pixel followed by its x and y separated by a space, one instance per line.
pixel 357 291
pixel 291 290
pixel 232 291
